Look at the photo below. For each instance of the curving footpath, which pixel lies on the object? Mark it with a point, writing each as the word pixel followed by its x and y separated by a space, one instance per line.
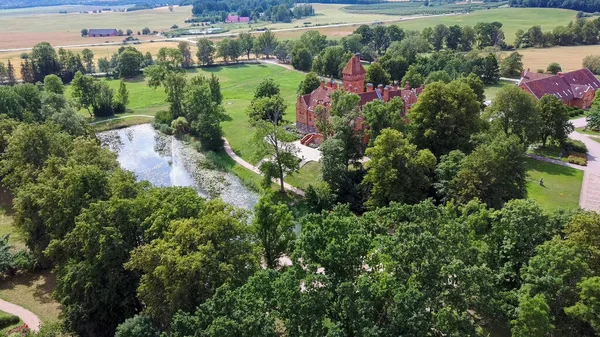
pixel 255 169
pixel 33 322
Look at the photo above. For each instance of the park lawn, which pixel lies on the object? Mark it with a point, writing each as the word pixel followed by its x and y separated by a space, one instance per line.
pixel 492 90
pixel 309 174
pixel 587 131
pixel 33 292
pixel 562 185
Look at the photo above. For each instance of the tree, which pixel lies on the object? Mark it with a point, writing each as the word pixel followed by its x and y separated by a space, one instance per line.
pixel 10 74
pixel 53 84
pixel 129 62
pixel 215 89
pixel 409 48
pixel 331 61
pixel 301 58
pixel 533 317
pixel 554 117
pixel 204 112
pixel 266 43
pixel 536 36
pixel 122 98
pixel 395 66
pixel 377 75
pixel 440 33
pixel 246 41
pixel 3 73
pixel 273 141
pixel 273 226
pixel 380 116
pixel 453 37
pixel 84 32
pixel 445 172
pixel 314 41
pixel 444 118
pixel 310 82
pixel 266 88
pixel 206 51
pixel 475 83
pixel 512 66
pixel 515 112
pixel 27 72
pixel 588 306
pixel 171 59
pixel 494 172
pixel 490 69
pixel 146 31
pixel 397 172
pixel 438 76
pixel 489 34
pixel 136 326
pixel 467 38
pixel 593 115
pixel 380 41
pixel 187 61
pixel 195 256
pixel 44 61
pixel 228 49
pixel 413 76
pixel 104 65
pixel 88 58
pixel 554 68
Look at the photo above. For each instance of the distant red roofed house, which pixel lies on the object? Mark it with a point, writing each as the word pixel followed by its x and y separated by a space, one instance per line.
pixel 353 81
pixel 576 88
pixel 237 19
pixel 102 32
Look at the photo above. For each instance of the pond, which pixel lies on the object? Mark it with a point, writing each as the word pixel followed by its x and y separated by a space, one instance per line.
pixel 166 161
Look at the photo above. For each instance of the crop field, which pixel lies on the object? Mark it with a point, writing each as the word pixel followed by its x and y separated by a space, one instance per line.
pixel 418 8
pixel 20 31
pixel 569 58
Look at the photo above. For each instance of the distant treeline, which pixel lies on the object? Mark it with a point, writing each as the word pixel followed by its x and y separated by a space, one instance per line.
pixel 579 5
pixel 268 10
pixel 7 4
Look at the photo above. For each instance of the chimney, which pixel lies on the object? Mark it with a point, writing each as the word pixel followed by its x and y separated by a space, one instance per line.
pixel 369 87
pixel 357 57
pixel 386 94
pixel 396 86
pixel 407 85
pixel 335 85
pixel 322 84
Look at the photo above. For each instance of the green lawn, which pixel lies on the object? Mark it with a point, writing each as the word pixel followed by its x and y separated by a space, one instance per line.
pixel 308 174
pixel 5 330
pixel 492 90
pixel 562 185
pixel 587 132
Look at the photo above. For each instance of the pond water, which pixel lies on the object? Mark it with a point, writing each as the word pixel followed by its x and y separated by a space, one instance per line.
pixel 166 161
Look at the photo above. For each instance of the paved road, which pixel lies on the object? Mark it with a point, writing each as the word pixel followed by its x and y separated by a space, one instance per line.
pixel 590 189
pixel 28 317
pixel 222 35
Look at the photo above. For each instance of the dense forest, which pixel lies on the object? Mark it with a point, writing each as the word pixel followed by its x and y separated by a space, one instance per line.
pixel 590 6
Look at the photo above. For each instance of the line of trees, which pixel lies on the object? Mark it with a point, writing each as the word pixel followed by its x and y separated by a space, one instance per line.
pixel 230 50
pixel 274 11
pixel 580 32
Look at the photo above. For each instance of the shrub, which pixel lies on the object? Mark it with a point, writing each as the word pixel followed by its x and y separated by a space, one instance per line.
pixel 593 63
pixel 213 160
pixel 7 320
pixel 164 128
pixel 163 117
pixel 573 145
pixel 577 160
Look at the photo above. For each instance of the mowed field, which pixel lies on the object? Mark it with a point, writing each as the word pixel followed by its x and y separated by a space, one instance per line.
pixel 21 31
pixel 570 58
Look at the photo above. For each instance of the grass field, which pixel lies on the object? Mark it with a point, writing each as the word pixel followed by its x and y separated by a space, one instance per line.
pixel 562 185
pixel 492 90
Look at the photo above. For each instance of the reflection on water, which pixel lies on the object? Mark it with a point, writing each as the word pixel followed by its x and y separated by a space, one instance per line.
pixel 166 161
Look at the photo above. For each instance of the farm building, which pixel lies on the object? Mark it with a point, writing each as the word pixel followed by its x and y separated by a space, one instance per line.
pixel 575 88
pixel 237 19
pixel 102 32
pixel 353 81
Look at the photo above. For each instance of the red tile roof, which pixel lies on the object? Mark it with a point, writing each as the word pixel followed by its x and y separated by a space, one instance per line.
pixel 354 67
pixel 532 76
pixel 565 86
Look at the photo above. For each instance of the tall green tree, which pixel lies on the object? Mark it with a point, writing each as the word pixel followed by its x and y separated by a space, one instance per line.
pixel 533 318
pixel 88 59
pixel 45 61
pixel 187 61
pixel 397 171
pixel 266 43
pixel 554 117
pixel 377 75
pixel 444 118
pixel 273 226
pixel 381 115
pixel 53 84
pixel 273 141
pixel 246 41
pixel 206 51
pixel 515 112
pixel 512 65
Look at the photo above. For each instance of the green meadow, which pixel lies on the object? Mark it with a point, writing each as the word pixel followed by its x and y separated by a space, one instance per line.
pixel 562 185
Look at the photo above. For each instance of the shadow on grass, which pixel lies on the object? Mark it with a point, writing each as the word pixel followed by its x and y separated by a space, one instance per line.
pixel 549 168
pixel 42 284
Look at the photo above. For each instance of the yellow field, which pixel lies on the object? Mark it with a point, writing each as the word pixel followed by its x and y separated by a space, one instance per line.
pixel 570 58
pixel 65 29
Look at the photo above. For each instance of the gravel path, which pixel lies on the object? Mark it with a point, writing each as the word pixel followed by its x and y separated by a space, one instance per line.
pixel 28 317
pixel 590 189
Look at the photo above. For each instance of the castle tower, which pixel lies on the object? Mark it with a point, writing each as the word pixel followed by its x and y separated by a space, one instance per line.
pixel 354 74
